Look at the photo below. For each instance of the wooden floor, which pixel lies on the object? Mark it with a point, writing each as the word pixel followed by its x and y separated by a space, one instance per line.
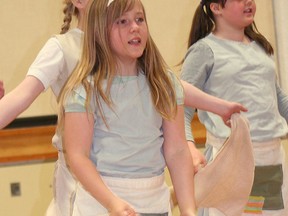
pixel 34 143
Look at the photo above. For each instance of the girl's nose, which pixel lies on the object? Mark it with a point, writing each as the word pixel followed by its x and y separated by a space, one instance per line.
pixel 134 26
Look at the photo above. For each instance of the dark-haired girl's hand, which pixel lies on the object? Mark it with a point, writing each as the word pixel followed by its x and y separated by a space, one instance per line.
pixel 229 109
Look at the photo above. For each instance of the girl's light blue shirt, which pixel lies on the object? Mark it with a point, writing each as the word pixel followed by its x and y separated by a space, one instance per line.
pixel 237 72
pixel 132 145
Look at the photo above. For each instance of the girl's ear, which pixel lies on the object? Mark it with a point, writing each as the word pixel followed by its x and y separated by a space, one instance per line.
pixel 79 3
pixel 216 8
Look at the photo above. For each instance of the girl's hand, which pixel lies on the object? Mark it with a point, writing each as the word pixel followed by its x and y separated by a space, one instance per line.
pixel 199 160
pixel 2 90
pixel 229 109
pixel 119 207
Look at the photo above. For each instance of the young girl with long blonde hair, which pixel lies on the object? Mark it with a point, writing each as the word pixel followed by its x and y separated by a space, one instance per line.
pixel 123 119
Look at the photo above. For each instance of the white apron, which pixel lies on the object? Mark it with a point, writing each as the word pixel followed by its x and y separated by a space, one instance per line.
pixel 149 195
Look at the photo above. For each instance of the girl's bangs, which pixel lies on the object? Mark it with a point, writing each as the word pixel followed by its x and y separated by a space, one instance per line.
pixel 118 7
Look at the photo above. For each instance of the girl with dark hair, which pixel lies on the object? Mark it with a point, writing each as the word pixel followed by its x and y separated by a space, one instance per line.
pixel 230 59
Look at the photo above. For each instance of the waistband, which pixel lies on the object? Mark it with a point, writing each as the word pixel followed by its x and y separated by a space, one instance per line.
pixel 137 183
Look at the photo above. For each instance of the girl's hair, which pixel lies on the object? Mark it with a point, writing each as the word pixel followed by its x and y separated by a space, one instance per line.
pixel 69 10
pixel 204 21
pixel 98 61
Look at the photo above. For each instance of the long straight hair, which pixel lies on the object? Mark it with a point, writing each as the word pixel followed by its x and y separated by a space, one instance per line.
pixel 98 61
pixel 204 22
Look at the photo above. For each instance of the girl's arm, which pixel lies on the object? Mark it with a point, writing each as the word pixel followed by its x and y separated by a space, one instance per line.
pixel 78 133
pixel 19 99
pixel 179 162
pixel 195 98
pixel 282 99
pixel 199 159
pixel 200 100
pixel 2 90
pixel 48 63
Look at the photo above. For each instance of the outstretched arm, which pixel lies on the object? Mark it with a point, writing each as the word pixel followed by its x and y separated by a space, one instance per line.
pixel 2 90
pixel 200 100
pixel 195 98
pixel 19 99
pixel 179 162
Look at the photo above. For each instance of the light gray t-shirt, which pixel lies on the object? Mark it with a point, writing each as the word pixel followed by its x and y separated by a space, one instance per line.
pixel 57 59
pixel 237 72
pixel 132 145
pixel 55 62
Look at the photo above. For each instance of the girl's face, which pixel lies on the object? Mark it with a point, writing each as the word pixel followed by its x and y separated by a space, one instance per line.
pixel 238 13
pixel 128 35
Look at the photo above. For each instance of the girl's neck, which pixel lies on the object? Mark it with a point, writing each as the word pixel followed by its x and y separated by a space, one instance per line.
pixel 235 35
pixel 127 69
pixel 80 24
pixel 81 16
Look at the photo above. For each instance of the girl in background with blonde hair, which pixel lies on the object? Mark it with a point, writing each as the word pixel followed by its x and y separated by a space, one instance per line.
pixel 51 68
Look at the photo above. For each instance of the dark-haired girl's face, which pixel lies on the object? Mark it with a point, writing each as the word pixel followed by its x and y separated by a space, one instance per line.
pixel 129 35
pixel 239 13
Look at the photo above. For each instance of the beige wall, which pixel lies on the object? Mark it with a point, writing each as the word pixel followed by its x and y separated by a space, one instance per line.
pixel 281 23
pixel 27 24
pixel 36 191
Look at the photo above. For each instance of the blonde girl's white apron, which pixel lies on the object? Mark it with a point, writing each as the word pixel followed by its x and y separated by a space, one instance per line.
pixel 64 186
pixel 148 196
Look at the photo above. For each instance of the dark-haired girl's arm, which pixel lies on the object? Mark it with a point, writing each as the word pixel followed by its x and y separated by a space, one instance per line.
pixel 282 99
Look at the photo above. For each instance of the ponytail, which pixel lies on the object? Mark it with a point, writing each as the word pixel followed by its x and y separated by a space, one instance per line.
pixel 202 24
pixel 69 10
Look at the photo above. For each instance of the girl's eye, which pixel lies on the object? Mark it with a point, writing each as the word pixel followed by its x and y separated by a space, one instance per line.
pixel 122 21
pixel 140 20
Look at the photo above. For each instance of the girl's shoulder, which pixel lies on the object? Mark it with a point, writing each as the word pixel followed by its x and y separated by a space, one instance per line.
pixel 200 50
pixel 201 46
pixel 177 87
pixel 173 77
pixel 73 36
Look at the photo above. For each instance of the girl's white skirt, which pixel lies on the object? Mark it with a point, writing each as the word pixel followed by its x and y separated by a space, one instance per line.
pixel 145 195
pixel 148 195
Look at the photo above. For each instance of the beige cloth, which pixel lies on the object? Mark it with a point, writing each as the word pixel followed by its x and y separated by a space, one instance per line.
pixel 226 182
